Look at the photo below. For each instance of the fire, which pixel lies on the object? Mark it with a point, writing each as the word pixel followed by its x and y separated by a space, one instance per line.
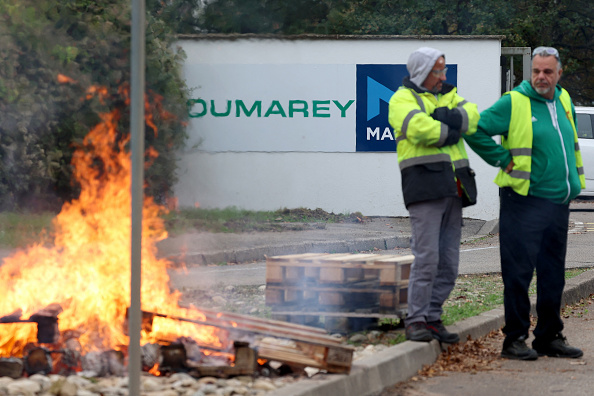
pixel 62 79
pixel 87 268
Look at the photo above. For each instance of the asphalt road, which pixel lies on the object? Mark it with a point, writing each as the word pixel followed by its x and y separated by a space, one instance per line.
pixel 478 257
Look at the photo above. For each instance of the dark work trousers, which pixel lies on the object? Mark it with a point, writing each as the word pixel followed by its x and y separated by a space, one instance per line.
pixel 435 243
pixel 532 235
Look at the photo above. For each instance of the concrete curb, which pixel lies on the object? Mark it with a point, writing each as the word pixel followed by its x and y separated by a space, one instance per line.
pixel 261 252
pixel 370 375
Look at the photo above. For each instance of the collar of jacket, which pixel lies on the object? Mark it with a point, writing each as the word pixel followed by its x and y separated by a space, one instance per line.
pixel 445 88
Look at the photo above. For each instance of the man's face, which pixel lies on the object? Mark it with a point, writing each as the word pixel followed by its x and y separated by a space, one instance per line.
pixel 436 77
pixel 545 75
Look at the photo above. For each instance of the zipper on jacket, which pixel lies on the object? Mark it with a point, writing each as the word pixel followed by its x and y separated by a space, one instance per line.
pixel 553 111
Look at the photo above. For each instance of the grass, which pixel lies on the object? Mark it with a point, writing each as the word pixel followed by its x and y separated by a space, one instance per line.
pixel 234 220
pixel 24 229
pixel 475 294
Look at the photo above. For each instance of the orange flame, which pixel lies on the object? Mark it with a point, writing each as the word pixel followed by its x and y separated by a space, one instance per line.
pixel 62 79
pixel 87 269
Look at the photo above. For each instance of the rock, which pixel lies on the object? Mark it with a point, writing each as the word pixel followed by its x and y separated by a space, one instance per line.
pixel 209 389
pixel 357 338
pixel 44 381
pixel 374 336
pixel 207 380
pixel 168 392
pixel 23 387
pixel 150 385
pixel 219 300
pixel 68 389
pixel 261 384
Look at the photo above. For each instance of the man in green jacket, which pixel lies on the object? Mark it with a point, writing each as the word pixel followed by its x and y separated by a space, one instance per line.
pixel 428 117
pixel 541 172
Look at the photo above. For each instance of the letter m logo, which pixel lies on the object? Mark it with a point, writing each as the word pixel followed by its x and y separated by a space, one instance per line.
pixel 375 86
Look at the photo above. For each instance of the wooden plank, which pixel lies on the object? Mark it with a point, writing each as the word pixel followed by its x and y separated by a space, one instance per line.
pixel 246 326
pixel 294 257
pixel 377 315
pixel 227 316
pixel 334 359
pixel 274 273
pixel 331 298
pixel 369 287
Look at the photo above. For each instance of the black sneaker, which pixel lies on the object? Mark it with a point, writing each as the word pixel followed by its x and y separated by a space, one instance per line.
pixel 518 349
pixel 417 331
pixel 557 348
pixel 439 332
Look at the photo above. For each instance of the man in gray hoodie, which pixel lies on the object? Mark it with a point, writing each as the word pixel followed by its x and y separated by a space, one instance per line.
pixel 428 117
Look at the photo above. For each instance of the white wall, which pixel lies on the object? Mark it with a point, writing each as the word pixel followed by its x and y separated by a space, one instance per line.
pixel 267 163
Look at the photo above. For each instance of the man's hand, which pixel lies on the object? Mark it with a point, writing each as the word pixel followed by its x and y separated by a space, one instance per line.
pixel 509 167
pixel 451 117
pixel 452 138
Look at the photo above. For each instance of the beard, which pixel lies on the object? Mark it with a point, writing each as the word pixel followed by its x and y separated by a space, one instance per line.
pixel 542 90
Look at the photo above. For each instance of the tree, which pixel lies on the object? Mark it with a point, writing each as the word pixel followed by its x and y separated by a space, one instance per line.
pixel 43 119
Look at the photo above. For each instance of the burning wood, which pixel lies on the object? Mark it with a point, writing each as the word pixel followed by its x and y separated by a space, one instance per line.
pixel 38 361
pixel 46 319
pixel 11 367
pixel 295 345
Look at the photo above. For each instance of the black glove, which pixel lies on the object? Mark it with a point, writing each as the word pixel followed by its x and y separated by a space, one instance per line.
pixel 453 117
pixel 453 137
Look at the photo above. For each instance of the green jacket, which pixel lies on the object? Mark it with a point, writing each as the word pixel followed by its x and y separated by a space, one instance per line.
pixel 553 169
pixel 429 169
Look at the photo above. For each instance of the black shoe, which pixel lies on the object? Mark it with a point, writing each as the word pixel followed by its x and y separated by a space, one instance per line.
pixel 518 349
pixel 417 331
pixel 440 333
pixel 557 348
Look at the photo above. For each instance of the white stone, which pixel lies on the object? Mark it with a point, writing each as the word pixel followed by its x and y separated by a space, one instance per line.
pixel 150 385
pixel 81 382
pixel 192 392
pixel 262 384
pixel 23 387
pixel 168 392
pixel 219 300
pixel 209 389
pixel 68 389
pixel 84 392
pixel 44 381
pixel 207 380
pixel 181 377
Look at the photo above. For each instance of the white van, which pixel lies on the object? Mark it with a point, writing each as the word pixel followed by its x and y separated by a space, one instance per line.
pixel 585 121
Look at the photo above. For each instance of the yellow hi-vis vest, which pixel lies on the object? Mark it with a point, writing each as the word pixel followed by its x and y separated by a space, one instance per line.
pixel 519 143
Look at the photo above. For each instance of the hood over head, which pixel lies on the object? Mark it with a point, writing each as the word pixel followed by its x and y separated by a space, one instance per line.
pixel 421 62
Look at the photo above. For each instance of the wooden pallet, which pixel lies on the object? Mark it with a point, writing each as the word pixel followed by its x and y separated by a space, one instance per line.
pixel 338 268
pixel 323 288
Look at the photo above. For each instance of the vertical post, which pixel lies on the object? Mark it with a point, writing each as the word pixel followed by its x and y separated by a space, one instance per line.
pixel 137 76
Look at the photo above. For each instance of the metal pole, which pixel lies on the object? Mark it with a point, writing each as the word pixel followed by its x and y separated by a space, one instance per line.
pixel 137 77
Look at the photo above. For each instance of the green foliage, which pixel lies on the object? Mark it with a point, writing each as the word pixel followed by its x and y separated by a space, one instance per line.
pixel 43 119
pixel 565 24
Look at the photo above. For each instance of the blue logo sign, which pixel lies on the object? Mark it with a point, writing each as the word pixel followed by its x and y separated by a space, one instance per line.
pixel 375 86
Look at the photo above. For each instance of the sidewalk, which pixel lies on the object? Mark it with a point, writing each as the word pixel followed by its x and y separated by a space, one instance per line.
pixel 383 233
